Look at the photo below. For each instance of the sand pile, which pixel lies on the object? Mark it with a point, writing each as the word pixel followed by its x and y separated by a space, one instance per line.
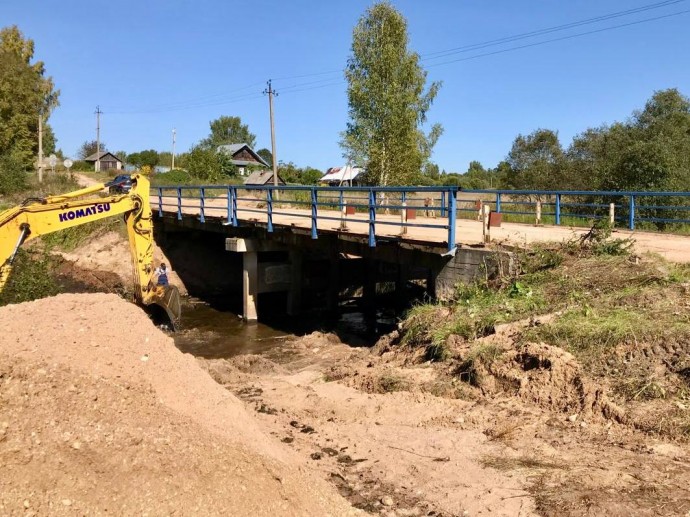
pixel 99 412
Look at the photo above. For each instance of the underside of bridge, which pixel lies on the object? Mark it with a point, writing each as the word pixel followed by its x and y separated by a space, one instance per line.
pixel 326 274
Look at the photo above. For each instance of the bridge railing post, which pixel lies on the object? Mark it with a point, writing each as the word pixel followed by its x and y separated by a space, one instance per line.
pixel 228 199
pixel 314 214
pixel 498 202
pixel 631 213
pixel 269 209
pixel 452 218
pixel 558 210
pixel 160 202
pixel 179 203
pixel 372 218
pixel 443 204
pixel 202 203
pixel 233 212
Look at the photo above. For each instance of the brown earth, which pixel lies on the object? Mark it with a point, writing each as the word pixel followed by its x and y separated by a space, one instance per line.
pixel 101 413
pixel 531 432
pixel 539 437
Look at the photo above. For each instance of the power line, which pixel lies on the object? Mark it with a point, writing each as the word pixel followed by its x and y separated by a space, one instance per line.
pixel 562 38
pixel 547 30
pixel 322 83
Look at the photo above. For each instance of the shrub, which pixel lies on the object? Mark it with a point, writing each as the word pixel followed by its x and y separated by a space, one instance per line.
pixel 13 177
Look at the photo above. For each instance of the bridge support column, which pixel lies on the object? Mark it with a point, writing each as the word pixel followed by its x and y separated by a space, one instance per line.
pixel 369 291
pixel 250 282
pixel 333 280
pixel 294 302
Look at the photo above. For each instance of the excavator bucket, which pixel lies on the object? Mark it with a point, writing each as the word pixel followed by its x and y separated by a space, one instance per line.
pixel 168 299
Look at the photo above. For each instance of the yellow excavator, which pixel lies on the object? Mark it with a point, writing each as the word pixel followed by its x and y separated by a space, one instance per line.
pixel 40 216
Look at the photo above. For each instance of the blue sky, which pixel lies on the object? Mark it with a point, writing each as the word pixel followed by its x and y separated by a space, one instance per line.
pixel 153 65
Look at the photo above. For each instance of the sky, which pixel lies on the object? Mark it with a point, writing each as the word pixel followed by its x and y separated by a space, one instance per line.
pixel 154 65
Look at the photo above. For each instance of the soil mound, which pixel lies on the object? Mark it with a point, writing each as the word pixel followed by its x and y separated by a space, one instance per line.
pixel 547 376
pixel 101 413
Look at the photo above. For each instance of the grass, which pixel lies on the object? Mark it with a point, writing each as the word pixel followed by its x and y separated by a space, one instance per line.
pixel 31 278
pixel 390 382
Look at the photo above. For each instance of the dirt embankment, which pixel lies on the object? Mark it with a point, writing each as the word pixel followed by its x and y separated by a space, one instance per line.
pixel 101 413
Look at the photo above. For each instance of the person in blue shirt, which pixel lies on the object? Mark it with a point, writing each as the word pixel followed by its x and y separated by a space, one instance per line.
pixel 162 272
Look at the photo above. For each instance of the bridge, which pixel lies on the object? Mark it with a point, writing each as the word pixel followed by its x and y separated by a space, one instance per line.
pixel 364 236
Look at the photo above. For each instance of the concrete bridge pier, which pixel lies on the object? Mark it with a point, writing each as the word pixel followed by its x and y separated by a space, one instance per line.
pixel 266 277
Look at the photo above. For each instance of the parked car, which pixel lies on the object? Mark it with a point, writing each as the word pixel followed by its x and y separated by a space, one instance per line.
pixel 120 185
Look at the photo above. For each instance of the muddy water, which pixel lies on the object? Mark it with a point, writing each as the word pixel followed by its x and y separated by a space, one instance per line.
pixel 218 333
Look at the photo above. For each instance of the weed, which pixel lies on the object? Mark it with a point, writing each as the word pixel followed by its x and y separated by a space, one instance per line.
pixel 71 238
pixel 481 355
pixel 390 382
pixel 31 278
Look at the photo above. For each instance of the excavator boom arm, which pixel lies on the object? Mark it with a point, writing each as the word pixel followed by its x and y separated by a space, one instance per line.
pixel 54 213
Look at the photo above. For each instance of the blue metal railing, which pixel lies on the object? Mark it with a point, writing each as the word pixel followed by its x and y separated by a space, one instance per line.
pixel 317 201
pixel 655 209
pixel 630 207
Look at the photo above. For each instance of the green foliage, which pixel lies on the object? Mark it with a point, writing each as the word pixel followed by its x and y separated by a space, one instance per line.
pixel 599 240
pixel 145 158
pixel 387 101
pixel 266 155
pixel 13 177
pixel 204 163
pixel 228 130
pixel 536 161
pixel 71 238
pixel 88 147
pixel 30 279
pixel 647 152
pixel 173 177
pixel 25 93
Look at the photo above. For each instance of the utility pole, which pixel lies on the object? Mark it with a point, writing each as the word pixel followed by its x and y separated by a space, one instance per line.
pixel 98 139
pixel 271 92
pixel 40 147
pixel 172 166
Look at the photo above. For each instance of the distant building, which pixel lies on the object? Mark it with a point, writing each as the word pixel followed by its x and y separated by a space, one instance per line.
pixel 243 156
pixel 262 178
pixel 342 176
pixel 106 160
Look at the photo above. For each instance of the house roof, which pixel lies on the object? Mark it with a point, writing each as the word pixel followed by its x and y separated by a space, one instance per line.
pixel 341 174
pixel 262 178
pixel 102 154
pixel 233 149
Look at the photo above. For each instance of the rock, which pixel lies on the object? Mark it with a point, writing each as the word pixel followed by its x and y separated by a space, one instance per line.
pixel 76 445
pixel 572 418
pixel 67 502
pixel 26 503
pixel 387 500
pixel 145 357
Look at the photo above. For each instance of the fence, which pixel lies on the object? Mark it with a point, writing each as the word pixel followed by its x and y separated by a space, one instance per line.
pixel 317 203
pixel 656 210
pixel 653 210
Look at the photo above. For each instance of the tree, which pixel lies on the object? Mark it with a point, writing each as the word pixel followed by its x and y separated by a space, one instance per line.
pixel 204 163
pixel 266 155
pixel 387 101
pixel 145 158
pixel 88 148
pixel 228 130
pixel 25 93
pixel 536 161
pixel 310 176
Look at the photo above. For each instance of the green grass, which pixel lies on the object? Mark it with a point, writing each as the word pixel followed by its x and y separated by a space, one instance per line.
pixel 31 278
